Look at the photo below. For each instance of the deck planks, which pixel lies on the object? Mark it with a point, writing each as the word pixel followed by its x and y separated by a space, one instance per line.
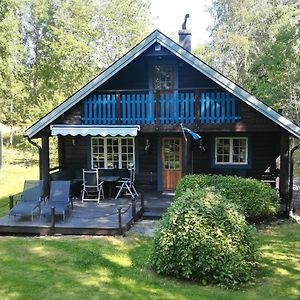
pixel 88 218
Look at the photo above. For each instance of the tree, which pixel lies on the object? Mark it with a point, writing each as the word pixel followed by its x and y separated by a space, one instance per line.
pixel 68 42
pixel 276 73
pixel 58 38
pixel 11 69
pixel 256 44
pixel 122 25
pixel 239 29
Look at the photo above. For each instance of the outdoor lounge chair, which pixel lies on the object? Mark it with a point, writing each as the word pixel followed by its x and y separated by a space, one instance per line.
pixel 92 188
pixel 30 201
pixel 58 198
pixel 127 184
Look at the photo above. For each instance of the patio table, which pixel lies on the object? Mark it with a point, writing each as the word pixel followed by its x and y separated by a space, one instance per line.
pixel 111 180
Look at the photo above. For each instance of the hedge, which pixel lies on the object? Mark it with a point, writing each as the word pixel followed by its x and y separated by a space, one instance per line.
pixel 256 199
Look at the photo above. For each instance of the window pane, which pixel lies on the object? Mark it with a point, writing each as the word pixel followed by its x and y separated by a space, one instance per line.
pixel 231 150
pixel 113 147
pixel 162 77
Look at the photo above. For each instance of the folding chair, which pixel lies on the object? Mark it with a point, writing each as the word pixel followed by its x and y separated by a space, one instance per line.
pixel 127 184
pixel 92 189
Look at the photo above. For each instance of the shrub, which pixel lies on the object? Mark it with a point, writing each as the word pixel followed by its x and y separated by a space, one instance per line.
pixel 255 199
pixel 204 238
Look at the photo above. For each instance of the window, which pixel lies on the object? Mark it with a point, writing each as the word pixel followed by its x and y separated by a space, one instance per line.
pixel 115 152
pixel 231 150
pixel 171 154
pixel 163 77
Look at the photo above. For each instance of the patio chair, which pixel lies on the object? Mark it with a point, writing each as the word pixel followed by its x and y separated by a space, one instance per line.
pixel 30 201
pixel 92 188
pixel 59 198
pixel 127 184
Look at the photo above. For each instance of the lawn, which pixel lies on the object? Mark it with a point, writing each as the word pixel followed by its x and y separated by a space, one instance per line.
pixel 17 166
pixel 116 268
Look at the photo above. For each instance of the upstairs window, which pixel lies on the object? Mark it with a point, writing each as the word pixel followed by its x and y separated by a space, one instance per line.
pixel 231 150
pixel 112 152
pixel 163 77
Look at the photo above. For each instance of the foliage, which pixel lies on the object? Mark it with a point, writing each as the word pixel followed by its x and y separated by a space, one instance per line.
pixel 54 268
pixel 12 87
pixel 256 44
pixel 50 48
pixel 276 73
pixel 204 238
pixel 93 268
pixel 122 24
pixel 237 33
pixel 255 199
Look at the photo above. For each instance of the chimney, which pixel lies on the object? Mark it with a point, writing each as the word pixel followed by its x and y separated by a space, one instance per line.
pixel 185 36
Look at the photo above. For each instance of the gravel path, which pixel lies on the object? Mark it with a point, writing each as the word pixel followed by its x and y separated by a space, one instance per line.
pixel 148 227
pixel 145 227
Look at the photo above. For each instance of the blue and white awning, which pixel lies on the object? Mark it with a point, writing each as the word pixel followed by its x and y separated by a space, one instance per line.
pixel 95 130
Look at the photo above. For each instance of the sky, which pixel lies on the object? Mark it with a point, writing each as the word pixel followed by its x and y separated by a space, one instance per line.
pixel 168 16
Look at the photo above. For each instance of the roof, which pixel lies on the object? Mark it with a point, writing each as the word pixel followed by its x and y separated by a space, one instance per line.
pixel 158 37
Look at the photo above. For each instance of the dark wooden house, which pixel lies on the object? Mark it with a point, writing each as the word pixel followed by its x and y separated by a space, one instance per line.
pixel 132 114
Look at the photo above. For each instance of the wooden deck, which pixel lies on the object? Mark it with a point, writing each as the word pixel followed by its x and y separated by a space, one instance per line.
pixel 88 218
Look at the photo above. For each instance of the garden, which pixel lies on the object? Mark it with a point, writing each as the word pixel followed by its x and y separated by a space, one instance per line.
pixel 68 267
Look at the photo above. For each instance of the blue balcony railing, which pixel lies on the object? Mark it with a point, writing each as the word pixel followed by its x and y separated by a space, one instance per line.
pixel 149 108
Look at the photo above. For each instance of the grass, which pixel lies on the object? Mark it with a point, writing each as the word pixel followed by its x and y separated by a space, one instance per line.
pixel 116 268
pixel 17 166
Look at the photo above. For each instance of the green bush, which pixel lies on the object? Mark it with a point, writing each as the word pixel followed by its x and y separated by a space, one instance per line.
pixel 256 199
pixel 204 238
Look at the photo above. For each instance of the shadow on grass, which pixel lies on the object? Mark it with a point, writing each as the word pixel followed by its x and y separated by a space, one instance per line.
pixel 98 268
pixel 117 268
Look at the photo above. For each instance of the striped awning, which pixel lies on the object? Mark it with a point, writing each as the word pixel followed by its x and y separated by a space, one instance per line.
pixel 95 130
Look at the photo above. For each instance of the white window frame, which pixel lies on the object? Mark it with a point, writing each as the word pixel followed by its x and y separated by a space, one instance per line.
pixel 119 150
pixel 231 162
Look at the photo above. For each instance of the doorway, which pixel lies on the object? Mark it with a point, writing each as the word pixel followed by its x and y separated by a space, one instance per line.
pixel 171 162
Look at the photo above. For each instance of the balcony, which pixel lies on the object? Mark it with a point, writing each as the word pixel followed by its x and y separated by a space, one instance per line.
pixel 146 107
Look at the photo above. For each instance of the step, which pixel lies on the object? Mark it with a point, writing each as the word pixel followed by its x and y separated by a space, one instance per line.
pixel 155 209
pixel 149 215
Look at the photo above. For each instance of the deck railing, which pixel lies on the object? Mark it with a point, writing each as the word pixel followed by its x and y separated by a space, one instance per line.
pixel 164 107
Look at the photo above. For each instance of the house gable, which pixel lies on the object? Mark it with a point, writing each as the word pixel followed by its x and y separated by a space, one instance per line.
pixel 187 62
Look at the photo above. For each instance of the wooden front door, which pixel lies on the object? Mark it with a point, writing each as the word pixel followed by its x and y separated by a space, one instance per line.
pixel 171 163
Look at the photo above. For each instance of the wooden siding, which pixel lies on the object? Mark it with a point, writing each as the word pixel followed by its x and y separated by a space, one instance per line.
pixel 250 120
pixel 201 159
pixel 73 116
pixel 189 77
pixel 133 76
pixel 127 111
pixel 77 155
pixel 147 162
pixel 132 71
pixel 264 149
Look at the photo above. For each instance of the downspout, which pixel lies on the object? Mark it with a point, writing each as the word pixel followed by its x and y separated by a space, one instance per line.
pixel 40 154
pixel 290 204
